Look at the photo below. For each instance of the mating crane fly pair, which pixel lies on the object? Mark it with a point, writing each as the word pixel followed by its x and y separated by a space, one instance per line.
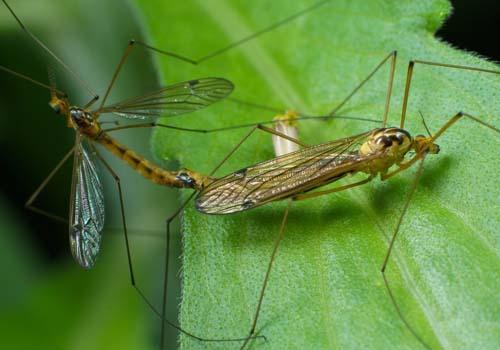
pixel 291 176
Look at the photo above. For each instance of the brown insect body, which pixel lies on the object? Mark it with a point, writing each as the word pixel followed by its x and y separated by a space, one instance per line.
pixel 373 153
pixel 85 123
pixel 384 148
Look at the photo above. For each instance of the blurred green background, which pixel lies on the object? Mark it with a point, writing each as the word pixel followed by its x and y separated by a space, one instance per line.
pixel 46 300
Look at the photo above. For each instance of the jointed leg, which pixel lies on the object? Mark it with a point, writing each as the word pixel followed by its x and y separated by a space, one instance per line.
pixel 337 189
pixel 243 40
pixel 389 250
pixel 129 257
pixel 227 128
pixel 391 56
pixel 257 127
pixel 32 198
pixel 277 243
pixel 116 178
pixel 421 157
pixel 456 118
pixel 171 218
pixel 409 76
pixel 445 127
pixel 268 273
pixel 165 287
pixel 131 44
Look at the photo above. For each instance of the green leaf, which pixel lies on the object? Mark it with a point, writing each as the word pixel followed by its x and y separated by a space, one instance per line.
pixel 326 290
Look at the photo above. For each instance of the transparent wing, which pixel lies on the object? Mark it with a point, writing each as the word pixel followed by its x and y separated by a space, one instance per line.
pixel 282 177
pixel 87 216
pixel 173 100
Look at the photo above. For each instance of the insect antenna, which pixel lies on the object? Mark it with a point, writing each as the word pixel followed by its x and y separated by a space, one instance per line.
pixel 52 80
pixel 425 124
pixel 31 80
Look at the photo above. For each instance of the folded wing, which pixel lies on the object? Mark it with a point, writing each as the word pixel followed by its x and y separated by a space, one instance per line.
pixel 87 211
pixel 281 177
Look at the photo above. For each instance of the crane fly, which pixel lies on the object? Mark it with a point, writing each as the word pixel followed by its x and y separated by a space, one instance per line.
pixel 87 211
pixel 86 217
pixel 87 206
pixel 381 152
pixel 86 214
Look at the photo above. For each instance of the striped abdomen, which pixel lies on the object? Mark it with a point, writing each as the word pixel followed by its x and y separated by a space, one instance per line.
pixel 181 178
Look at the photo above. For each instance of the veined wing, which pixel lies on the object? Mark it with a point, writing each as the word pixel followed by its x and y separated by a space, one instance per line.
pixel 173 100
pixel 282 177
pixel 87 210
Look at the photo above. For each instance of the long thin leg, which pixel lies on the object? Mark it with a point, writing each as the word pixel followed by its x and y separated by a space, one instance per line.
pixel 275 250
pixel 456 118
pixel 396 231
pixel 117 180
pixel 179 210
pixel 228 128
pixel 392 56
pixel 256 127
pixel 129 257
pixel 165 286
pixel 389 250
pixel 242 40
pixel 440 132
pixel 132 42
pixel 167 255
pixel 124 57
pixel 32 198
pixel 337 189
pixel 301 115
pixel 409 76
pixel 268 273
pixel 166 264
pixel 421 157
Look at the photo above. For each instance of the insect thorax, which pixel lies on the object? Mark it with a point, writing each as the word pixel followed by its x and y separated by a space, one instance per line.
pixel 84 122
pixel 387 146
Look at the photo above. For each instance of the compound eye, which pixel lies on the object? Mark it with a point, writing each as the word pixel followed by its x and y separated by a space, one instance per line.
pixel 384 140
pixel 400 138
pixel 56 108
